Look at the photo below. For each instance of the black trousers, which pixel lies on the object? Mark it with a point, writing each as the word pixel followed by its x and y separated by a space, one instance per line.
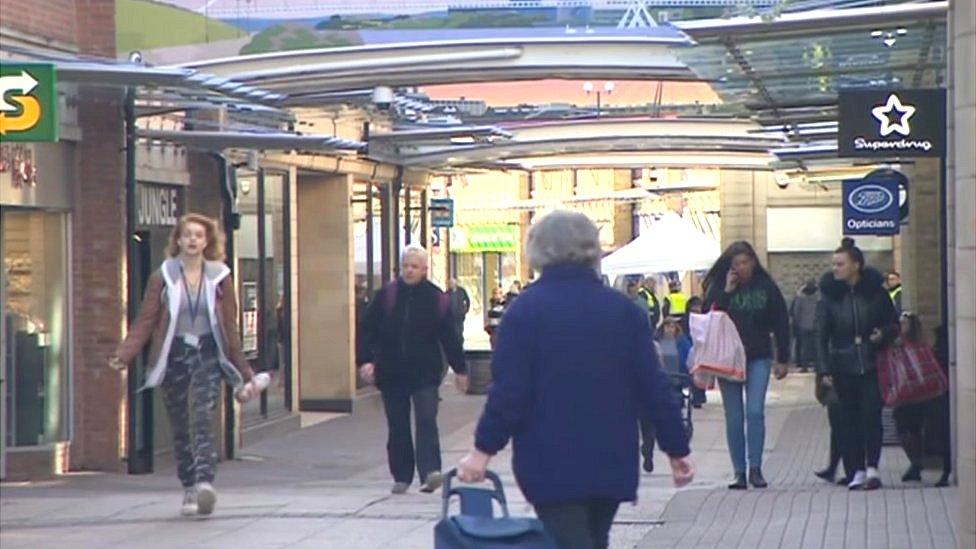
pixel 648 432
pixel 861 405
pixel 579 524
pixel 835 415
pixel 400 448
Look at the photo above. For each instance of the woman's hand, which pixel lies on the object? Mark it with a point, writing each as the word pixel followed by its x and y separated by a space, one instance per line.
pixel 682 470
pixel 827 381
pixel 731 281
pixel 116 363
pixel 780 369
pixel 368 372
pixel 472 467
pixel 876 336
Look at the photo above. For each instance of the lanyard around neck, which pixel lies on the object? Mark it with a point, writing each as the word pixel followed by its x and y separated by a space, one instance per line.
pixel 192 305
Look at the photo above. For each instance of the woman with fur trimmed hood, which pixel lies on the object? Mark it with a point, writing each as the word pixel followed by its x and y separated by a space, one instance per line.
pixel 855 320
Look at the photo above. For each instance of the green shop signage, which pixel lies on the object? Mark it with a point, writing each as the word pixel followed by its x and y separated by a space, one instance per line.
pixel 486 238
pixel 28 102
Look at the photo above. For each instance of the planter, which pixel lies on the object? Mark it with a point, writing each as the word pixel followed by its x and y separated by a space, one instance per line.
pixel 479 371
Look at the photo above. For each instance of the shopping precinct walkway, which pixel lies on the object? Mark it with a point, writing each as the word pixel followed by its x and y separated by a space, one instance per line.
pixel 327 486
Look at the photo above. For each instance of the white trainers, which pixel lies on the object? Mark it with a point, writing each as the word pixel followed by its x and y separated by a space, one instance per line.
pixel 860 478
pixel 206 498
pixel 873 479
pixel 189 507
pixel 400 488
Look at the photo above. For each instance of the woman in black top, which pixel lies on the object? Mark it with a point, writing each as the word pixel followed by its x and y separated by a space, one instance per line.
pixel 738 285
pixel 855 319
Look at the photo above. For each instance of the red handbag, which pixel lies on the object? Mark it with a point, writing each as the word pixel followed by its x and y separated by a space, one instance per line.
pixel 908 373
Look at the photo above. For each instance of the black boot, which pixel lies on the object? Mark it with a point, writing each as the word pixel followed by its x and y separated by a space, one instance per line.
pixel 648 465
pixel 914 473
pixel 943 480
pixel 739 483
pixel 828 474
pixel 756 478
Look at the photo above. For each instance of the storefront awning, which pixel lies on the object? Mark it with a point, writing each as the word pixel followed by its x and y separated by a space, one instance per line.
pixel 486 238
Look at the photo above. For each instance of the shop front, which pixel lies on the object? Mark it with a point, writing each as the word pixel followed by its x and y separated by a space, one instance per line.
pixel 263 272
pixel 35 387
pixel 484 257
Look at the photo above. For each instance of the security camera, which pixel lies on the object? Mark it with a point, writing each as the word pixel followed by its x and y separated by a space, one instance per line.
pixel 135 57
pixel 382 97
pixel 782 181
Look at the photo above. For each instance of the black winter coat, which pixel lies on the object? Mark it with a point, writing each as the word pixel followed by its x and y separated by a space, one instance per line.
pixel 405 343
pixel 846 317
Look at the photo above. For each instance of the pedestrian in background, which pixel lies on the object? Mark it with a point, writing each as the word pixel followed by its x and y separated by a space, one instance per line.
pixel 496 309
pixel 893 285
pixel 827 397
pixel 676 303
pixel 406 328
pixel 460 305
pixel 648 292
pixel 803 312
pixel 855 320
pixel 739 285
pixel 698 396
pixel 189 312
pixel 571 378
pixel 922 421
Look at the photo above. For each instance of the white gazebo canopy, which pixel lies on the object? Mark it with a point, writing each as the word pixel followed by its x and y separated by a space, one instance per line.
pixel 669 244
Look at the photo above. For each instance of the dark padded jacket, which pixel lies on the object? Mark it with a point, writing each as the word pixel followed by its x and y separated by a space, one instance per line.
pixel 405 342
pixel 846 317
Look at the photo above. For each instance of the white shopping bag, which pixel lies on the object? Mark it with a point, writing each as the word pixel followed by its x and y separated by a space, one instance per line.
pixel 717 349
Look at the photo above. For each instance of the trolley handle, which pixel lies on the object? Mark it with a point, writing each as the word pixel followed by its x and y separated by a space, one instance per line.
pixel 497 493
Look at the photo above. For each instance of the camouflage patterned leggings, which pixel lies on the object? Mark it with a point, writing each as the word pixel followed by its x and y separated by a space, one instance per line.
pixel 190 391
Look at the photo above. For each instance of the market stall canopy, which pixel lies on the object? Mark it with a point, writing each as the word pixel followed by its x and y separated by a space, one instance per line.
pixel 669 244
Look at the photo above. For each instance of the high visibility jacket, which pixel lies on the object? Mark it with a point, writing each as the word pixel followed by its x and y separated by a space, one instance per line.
pixel 678 303
pixel 894 294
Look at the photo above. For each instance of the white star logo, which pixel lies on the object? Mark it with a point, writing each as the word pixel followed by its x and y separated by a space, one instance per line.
pixel 883 114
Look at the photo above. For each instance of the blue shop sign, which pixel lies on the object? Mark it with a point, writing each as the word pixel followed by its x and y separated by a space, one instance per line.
pixel 871 206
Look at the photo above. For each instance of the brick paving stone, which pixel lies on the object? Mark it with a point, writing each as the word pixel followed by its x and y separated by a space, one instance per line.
pixel 800 510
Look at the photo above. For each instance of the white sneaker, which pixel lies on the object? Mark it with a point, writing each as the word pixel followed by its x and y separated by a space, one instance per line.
pixel 873 480
pixel 206 498
pixel 189 507
pixel 860 478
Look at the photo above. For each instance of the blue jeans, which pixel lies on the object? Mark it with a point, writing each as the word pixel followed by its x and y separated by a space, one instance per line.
pixel 750 419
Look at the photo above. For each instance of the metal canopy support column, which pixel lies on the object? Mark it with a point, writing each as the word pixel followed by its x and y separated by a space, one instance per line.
pixel 407 216
pixel 395 189
pixel 386 231
pixel 424 237
pixel 369 239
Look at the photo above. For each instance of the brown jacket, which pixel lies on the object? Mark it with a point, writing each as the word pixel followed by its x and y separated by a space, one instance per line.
pixel 157 321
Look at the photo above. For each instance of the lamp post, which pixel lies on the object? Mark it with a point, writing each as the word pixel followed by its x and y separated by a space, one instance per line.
pixel 589 88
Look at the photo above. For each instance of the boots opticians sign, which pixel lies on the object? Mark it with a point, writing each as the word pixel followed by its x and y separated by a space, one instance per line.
pixel 891 123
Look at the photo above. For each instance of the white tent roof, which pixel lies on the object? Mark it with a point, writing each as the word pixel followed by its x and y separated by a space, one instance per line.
pixel 669 244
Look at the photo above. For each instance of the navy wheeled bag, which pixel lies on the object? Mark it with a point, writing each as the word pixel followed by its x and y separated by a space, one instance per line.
pixel 477 527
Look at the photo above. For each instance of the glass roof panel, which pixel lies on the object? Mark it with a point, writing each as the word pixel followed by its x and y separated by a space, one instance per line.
pixel 801 70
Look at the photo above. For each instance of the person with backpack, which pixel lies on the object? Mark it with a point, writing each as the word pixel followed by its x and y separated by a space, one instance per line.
pixel 399 346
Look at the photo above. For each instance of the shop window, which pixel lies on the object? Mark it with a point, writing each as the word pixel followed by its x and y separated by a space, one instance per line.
pixel 35 327
pixel 261 250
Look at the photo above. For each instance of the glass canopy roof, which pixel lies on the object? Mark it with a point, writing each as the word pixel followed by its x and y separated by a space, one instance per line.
pixel 789 70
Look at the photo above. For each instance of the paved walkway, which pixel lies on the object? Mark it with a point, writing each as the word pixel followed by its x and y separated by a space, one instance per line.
pixel 327 486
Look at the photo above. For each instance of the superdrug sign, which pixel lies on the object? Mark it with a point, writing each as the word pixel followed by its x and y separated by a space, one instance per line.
pixel 891 123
